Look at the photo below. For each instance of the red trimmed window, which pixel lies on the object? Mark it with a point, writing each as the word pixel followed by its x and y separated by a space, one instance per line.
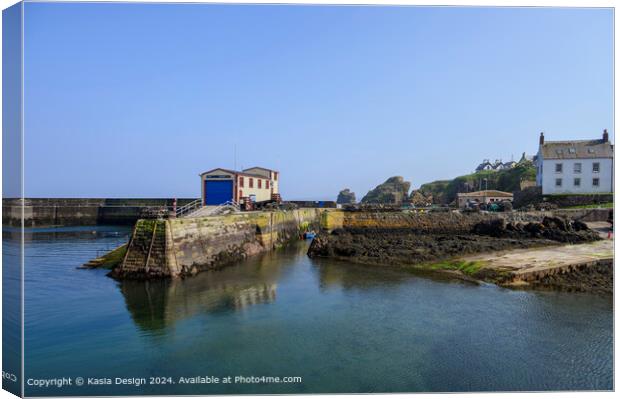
pixel 241 182
pixel 260 183
pixel 266 183
pixel 251 183
pixel 275 175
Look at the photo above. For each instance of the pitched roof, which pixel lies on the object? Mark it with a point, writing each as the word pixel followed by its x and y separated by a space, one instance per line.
pixel 234 172
pixel 260 167
pixel 484 164
pixel 576 149
pixel 486 193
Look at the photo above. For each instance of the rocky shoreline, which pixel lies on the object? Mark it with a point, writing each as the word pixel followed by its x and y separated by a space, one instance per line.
pixel 440 252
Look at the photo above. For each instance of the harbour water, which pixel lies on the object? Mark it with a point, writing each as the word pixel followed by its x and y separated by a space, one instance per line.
pixel 340 327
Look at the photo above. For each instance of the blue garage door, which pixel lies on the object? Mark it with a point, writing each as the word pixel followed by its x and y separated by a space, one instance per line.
pixel 218 191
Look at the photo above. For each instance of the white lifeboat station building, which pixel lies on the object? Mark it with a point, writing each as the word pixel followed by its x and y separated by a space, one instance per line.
pixel 221 185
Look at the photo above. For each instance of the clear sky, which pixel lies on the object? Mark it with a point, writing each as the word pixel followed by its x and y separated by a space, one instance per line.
pixel 135 100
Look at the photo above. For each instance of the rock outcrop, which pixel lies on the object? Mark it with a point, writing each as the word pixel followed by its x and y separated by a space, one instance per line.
pixel 394 190
pixel 420 199
pixel 551 228
pixel 400 238
pixel 346 196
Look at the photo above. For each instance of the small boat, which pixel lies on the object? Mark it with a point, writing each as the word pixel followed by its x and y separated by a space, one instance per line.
pixel 309 235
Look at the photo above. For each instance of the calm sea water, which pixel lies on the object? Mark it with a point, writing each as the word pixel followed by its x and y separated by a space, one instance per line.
pixel 340 327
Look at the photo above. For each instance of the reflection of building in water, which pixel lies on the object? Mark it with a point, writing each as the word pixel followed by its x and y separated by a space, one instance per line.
pixel 156 304
pixel 255 295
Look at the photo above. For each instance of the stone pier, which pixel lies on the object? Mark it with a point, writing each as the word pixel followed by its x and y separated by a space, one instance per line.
pixel 186 246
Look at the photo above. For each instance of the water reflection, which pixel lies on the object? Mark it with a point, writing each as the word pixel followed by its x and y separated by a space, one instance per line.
pixel 157 304
pixel 348 276
pixel 53 234
pixel 342 327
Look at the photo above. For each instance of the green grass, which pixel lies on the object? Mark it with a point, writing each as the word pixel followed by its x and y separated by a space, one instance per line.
pixel 445 191
pixel 465 267
pixel 592 206
pixel 113 258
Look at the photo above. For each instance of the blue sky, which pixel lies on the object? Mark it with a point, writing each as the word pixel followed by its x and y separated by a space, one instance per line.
pixel 135 100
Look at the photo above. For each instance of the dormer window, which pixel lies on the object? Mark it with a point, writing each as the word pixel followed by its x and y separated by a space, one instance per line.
pixel 571 151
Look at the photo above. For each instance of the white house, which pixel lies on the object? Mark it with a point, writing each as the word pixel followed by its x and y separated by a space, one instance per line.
pixel 257 184
pixel 575 166
pixel 497 165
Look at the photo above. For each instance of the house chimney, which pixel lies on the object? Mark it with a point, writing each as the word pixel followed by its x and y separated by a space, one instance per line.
pixel 541 141
pixel 605 136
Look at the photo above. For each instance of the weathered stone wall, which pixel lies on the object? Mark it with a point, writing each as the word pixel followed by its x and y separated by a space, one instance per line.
pixel 578 200
pixel 442 222
pixel 433 222
pixel 187 246
pixel 79 211
pixel 533 196
pixel 585 215
pixel 203 243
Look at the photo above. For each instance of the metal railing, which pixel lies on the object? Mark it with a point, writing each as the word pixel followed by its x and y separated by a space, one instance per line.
pixel 228 204
pixel 196 209
pixel 188 208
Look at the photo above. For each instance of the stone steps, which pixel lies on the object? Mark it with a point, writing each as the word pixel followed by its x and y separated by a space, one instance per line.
pixel 147 245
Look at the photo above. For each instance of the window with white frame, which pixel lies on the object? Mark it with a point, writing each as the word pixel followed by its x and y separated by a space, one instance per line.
pixel 596 167
pixel 558 168
pixel 595 182
pixel 577 167
pixel 558 182
pixel 577 182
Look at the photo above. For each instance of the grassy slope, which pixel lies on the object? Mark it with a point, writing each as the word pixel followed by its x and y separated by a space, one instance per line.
pixel 444 191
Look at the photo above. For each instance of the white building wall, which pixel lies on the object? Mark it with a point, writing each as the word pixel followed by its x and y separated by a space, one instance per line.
pixel 547 179
pixel 262 194
pixel 273 176
pixel 275 181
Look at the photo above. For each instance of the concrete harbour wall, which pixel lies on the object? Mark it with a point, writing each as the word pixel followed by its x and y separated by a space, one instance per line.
pixel 41 212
